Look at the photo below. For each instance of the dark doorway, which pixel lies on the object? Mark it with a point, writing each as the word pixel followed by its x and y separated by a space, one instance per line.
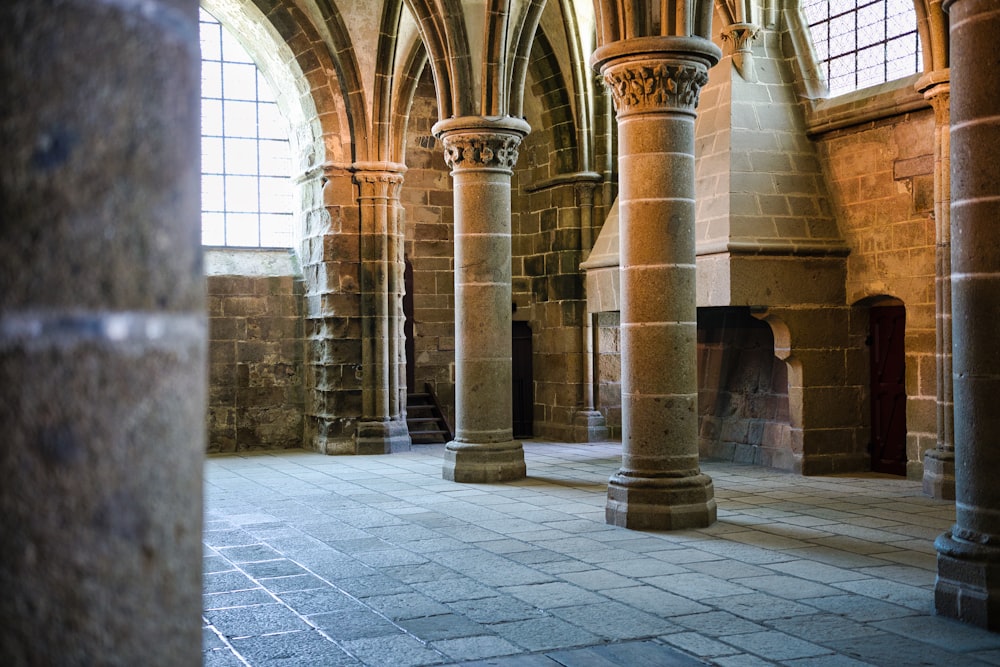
pixel 888 390
pixel 409 347
pixel 522 384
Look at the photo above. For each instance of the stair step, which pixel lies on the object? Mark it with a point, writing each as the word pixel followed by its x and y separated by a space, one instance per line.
pixel 423 415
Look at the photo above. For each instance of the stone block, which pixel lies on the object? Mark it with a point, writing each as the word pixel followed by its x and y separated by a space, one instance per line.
pixel 968 582
pixel 660 504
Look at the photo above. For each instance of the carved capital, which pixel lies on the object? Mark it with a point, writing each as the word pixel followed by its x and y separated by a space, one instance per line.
pixel 379 184
pixel 640 86
pixel 741 37
pixel 936 89
pixel 481 150
pixel 585 192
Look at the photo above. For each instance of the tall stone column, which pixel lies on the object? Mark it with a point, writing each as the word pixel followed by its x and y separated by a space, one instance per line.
pixel 939 463
pixel 381 429
pixel 102 333
pixel 655 82
pixel 481 153
pixel 968 582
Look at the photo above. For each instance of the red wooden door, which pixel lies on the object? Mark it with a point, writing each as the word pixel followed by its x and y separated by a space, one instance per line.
pixel 888 390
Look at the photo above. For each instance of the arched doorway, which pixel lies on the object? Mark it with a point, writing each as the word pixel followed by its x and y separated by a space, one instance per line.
pixel 887 370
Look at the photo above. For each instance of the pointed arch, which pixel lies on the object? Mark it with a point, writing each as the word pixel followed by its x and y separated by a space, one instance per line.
pixel 581 45
pixel 444 36
pixel 556 107
pixel 526 27
pixel 618 20
pixel 348 71
pixel 407 79
pixel 932 24
pixel 382 104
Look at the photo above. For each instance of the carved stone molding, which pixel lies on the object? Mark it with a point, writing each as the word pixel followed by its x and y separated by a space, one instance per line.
pixel 481 150
pixel 741 36
pixel 481 142
pixel 650 86
pixel 379 184
pixel 379 180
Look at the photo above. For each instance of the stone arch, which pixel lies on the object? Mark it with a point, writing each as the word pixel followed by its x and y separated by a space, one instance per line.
pixel 557 119
pixel 283 45
pixel 932 23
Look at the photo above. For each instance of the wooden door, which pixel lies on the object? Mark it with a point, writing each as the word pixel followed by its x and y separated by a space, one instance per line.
pixel 522 385
pixel 888 389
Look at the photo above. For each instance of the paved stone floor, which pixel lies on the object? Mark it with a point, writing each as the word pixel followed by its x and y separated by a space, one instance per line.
pixel 375 560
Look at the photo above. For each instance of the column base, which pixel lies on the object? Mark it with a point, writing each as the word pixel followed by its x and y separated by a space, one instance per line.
pixel 589 426
pixel 939 474
pixel 660 503
pixel 382 437
pixel 968 582
pixel 483 463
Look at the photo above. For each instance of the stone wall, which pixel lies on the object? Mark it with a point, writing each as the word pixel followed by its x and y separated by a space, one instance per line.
pixel 546 227
pixel 880 177
pixel 428 202
pixel 255 398
pixel 608 371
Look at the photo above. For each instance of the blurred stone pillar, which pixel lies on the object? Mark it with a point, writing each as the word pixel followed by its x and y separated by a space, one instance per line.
pixel 968 582
pixel 102 333
pixel 381 429
pixel 655 82
pixel 939 463
pixel 481 153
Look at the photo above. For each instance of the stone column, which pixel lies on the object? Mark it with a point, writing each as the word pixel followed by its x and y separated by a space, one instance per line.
pixel 381 429
pixel 939 463
pixel 588 423
pixel 103 333
pixel 481 153
pixel 655 82
pixel 968 582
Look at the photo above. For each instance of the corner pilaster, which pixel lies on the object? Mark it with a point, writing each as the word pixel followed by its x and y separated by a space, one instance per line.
pixel 381 429
pixel 939 463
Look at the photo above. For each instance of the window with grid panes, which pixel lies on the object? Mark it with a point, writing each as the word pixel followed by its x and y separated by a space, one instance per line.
pixel 246 192
pixel 861 43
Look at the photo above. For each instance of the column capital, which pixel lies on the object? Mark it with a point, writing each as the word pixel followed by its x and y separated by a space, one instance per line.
pixel 585 191
pixel 741 36
pixel 933 84
pixel 648 74
pixel 481 142
pixel 936 89
pixel 378 180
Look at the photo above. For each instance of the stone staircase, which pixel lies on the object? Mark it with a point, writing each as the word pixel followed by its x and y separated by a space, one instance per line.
pixel 424 418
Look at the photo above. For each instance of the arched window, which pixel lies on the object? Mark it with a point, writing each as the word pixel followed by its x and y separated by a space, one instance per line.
pixel 863 43
pixel 246 192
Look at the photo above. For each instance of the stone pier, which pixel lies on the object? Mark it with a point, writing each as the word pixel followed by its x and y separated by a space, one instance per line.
pixel 968 582
pixel 481 153
pixel 102 334
pixel 655 82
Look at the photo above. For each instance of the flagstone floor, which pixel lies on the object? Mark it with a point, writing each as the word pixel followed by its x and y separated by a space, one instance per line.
pixel 376 560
